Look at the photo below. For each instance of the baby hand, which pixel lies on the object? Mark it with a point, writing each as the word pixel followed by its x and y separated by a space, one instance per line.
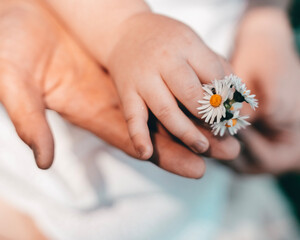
pixel 155 62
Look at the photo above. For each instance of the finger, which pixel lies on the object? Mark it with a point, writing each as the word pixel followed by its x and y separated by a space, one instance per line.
pixel 210 67
pixel 221 148
pixel 264 155
pixel 93 104
pixel 164 107
pixel 257 147
pixel 176 158
pixel 185 85
pixel 136 116
pixel 27 112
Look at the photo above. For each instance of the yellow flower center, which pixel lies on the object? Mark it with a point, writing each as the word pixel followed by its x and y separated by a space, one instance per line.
pixel 215 100
pixel 234 121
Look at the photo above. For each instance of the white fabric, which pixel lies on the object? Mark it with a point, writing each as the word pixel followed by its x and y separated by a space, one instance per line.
pixel 94 192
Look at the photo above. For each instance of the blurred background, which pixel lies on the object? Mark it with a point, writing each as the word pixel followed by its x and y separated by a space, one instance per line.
pixel 290 183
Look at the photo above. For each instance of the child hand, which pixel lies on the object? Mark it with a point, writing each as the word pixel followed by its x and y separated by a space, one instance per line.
pixel 155 62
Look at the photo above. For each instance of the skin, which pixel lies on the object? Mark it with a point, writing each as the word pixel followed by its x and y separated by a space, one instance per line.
pixel 12 219
pixel 266 59
pixel 274 152
pixel 94 105
pixel 264 37
pixel 51 71
pixel 151 66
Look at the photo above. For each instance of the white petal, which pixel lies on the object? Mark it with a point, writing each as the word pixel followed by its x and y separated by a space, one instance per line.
pixel 217 131
pixel 213 116
pixel 203 102
pixel 205 114
pixel 231 131
pixel 208 116
pixel 203 107
pixel 222 131
pixel 207 90
pixel 219 115
pixel 206 110
pixel 217 86
pixel 207 97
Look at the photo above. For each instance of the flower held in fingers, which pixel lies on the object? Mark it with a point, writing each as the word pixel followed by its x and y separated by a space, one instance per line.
pixel 221 104
pixel 213 104
pixel 234 124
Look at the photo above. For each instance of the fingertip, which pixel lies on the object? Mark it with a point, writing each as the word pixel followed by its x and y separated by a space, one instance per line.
pixel 44 156
pixel 144 151
pixel 141 140
pixel 198 170
pixel 42 163
pixel 232 149
pixel 200 146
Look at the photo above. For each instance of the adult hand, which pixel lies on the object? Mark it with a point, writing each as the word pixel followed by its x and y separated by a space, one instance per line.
pixel 266 59
pixel 42 67
pixel 268 150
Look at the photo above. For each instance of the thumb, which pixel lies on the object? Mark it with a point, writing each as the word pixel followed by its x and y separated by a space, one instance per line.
pixel 26 110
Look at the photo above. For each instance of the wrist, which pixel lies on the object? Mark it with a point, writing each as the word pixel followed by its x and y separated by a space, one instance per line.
pixel 117 34
pixel 94 23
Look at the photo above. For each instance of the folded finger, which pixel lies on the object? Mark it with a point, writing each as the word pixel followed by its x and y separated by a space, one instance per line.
pixel 165 108
pixel 185 85
pixel 136 116
pixel 176 158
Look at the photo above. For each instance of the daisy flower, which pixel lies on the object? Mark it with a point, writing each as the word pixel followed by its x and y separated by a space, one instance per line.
pixel 236 106
pixel 242 93
pixel 213 101
pixel 233 125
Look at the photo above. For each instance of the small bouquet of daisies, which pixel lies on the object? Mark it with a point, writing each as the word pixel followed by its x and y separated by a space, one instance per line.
pixel 221 104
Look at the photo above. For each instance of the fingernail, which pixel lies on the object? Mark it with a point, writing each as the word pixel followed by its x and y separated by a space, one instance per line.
pixel 199 147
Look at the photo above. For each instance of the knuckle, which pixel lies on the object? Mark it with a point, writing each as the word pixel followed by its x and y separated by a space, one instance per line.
pixel 135 136
pixel 164 112
pixel 130 119
pixel 191 92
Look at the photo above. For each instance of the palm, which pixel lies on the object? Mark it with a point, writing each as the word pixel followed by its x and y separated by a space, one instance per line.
pixel 35 49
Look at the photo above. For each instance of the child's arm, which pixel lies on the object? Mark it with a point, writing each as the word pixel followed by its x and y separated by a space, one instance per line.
pixel 153 60
pixel 95 22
